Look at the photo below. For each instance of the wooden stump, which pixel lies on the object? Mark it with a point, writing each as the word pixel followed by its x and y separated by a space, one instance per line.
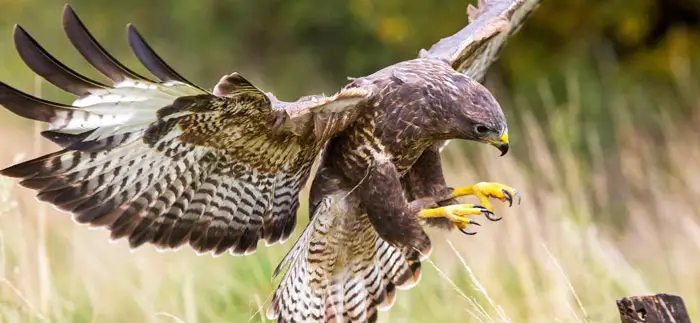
pixel 659 308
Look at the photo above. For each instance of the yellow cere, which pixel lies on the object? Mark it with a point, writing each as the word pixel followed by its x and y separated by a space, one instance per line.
pixel 504 137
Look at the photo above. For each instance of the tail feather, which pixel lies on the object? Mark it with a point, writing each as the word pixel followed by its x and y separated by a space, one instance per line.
pixel 353 294
pixel 340 270
pixel 375 278
pixel 403 266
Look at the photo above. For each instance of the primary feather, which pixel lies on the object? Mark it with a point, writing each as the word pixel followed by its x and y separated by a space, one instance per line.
pixel 167 162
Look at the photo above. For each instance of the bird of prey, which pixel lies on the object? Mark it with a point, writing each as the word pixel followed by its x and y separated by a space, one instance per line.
pixel 168 163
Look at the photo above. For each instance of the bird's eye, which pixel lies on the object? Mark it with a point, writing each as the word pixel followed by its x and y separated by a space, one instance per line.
pixel 481 129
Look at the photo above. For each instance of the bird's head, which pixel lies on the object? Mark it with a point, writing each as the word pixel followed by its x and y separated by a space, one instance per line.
pixel 474 114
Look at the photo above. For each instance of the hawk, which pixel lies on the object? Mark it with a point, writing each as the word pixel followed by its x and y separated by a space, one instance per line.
pixel 168 163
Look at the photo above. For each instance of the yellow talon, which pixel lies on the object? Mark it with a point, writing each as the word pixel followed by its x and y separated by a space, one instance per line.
pixel 458 214
pixel 485 190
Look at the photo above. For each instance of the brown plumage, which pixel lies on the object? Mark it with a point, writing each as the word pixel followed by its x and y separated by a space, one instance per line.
pixel 169 163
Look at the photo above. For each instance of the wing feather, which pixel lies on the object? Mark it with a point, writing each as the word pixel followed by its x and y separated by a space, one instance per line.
pixel 93 52
pixel 48 67
pixel 166 162
pixel 473 49
pixel 151 60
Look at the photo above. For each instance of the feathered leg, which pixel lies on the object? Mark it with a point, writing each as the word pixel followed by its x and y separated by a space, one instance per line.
pixel 426 181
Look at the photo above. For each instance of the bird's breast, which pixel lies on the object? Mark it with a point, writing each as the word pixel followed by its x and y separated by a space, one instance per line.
pixel 355 150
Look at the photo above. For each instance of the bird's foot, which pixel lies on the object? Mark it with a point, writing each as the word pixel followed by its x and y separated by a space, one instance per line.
pixel 485 190
pixel 458 214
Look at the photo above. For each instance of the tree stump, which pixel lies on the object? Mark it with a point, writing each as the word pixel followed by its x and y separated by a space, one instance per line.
pixel 659 308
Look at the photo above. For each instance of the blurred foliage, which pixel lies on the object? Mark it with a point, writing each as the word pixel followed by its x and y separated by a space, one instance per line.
pixel 603 107
pixel 617 49
pixel 303 46
pixel 295 48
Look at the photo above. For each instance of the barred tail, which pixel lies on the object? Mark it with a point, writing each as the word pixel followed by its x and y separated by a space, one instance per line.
pixel 341 271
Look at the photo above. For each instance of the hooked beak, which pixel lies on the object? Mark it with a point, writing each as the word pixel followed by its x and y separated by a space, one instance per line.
pixel 501 143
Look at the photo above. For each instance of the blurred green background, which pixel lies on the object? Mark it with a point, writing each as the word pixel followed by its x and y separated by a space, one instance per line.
pixel 602 99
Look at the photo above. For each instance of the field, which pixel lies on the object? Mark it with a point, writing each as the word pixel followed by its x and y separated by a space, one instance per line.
pixel 609 210
pixel 607 161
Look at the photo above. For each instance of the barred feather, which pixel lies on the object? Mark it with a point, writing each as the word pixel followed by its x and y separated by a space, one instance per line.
pixel 340 270
pixel 167 162
pixel 475 47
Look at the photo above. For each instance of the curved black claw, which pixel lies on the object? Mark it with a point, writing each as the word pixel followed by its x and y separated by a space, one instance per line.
pixel 509 197
pixel 469 233
pixel 488 214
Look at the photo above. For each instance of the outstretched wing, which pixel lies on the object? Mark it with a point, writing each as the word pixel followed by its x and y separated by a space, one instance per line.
pixel 473 49
pixel 167 162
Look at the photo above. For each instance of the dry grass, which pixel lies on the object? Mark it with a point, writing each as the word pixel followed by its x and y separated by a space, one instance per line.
pixel 590 230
